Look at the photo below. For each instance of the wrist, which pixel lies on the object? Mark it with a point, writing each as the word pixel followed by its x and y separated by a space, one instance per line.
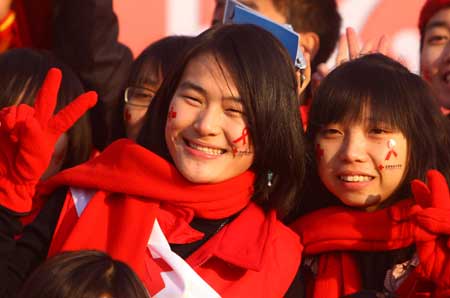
pixel 16 197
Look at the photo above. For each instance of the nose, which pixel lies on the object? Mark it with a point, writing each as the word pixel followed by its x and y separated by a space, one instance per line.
pixel 207 122
pixel 353 149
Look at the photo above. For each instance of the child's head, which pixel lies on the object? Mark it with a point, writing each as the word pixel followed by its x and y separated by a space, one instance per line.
pixel 22 73
pixel 146 75
pixel 83 274
pixel 434 26
pixel 318 21
pixel 230 105
pixel 374 126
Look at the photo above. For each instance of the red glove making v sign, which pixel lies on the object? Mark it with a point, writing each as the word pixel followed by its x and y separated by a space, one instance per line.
pixel 27 139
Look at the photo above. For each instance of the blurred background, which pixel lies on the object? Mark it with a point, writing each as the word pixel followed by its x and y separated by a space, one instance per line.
pixel 143 21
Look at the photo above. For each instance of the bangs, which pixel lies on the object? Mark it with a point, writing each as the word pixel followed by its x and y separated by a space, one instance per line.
pixel 147 72
pixel 356 93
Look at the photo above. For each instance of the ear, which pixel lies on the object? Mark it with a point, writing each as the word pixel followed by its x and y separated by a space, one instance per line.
pixel 310 41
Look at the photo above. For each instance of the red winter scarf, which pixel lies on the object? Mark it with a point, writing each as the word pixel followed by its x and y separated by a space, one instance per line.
pixel 137 184
pixel 332 231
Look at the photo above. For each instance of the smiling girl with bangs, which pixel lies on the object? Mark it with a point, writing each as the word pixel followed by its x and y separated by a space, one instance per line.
pixel 375 127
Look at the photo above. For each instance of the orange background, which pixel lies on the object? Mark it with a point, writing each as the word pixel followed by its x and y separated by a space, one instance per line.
pixel 143 21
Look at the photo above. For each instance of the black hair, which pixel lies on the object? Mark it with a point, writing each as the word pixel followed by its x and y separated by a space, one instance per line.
pixel 22 73
pixel 83 274
pixel 319 16
pixel 265 79
pixel 395 97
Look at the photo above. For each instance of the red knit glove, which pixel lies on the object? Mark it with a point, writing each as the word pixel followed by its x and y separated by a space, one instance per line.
pixel 27 139
pixel 432 214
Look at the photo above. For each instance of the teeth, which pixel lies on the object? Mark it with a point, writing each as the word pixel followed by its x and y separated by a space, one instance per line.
pixel 356 178
pixel 211 151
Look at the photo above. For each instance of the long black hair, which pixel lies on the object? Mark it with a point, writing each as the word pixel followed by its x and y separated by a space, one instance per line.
pixel 265 79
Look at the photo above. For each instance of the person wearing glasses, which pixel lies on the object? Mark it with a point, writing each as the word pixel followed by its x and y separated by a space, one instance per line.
pixel 146 75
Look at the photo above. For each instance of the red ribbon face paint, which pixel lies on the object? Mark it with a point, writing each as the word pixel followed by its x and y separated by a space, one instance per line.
pixel 243 137
pixel 391 144
pixel 319 152
pixel 380 167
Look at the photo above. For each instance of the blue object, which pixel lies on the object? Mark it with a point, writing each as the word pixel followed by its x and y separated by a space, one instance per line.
pixel 237 13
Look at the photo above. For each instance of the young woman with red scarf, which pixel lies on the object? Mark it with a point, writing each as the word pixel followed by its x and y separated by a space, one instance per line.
pixel 193 208
pixel 374 128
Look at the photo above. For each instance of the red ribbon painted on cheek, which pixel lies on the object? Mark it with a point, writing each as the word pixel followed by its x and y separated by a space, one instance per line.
pixel 243 137
pixel 391 145
pixel 388 156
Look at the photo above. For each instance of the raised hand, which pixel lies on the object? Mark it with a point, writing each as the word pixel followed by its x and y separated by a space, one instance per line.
pixel 350 48
pixel 27 139
pixel 432 214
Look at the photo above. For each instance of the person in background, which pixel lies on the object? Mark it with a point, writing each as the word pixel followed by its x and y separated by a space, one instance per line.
pixel 83 274
pixel 146 76
pixel 84 35
pixel 22 73
pixel 434 26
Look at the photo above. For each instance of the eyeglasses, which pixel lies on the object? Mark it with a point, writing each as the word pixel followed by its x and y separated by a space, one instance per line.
pixel 139 96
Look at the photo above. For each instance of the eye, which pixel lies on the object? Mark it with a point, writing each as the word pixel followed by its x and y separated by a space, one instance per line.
pixel 330 132
pixel 192 100
pixel 378 131
pixel 233 108
pixel 437 39
pixel 234 112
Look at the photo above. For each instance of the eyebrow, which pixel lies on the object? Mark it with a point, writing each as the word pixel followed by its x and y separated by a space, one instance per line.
pixel 189 85
pixel 437 23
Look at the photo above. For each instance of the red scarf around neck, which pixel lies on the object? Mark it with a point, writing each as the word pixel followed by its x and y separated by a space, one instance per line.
pixel 137 185
pixel 127 168
pixel 332 232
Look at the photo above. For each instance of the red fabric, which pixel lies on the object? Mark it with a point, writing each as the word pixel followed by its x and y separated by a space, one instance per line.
pixel 119 220
pixel 429 9
pixel 432 213
pixel 423 222
pixel 33 26
pixel 304 112
pixel 148 175
pixel 28 136
pixel 39 199
pixel 6 30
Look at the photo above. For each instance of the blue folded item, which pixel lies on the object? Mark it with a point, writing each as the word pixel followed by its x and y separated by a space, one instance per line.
pixel 237 13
